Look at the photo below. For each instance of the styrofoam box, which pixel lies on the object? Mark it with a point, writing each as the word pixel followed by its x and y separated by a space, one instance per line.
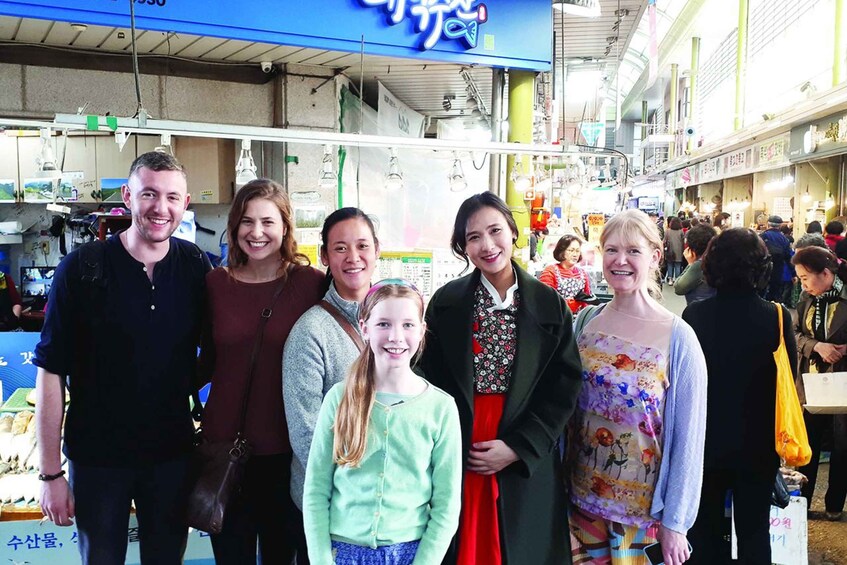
pixel 826 393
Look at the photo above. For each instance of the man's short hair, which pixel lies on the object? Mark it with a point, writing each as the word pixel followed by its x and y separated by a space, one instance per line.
pixel 834 228
pixel 698 238
pixel 156 161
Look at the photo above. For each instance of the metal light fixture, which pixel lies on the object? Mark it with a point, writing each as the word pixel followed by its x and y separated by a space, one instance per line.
pixel 45 161
pixel 327 177
pixel 519 177
pixel 458 183
pixel 394 176
pixel 807 198
pixel 245 169
pixel 165 145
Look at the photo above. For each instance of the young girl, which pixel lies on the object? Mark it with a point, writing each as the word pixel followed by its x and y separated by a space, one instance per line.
pixel 502 346
pixel 384 472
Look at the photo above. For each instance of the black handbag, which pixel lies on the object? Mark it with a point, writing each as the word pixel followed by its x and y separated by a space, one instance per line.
pixel 780 497
pixel 218 467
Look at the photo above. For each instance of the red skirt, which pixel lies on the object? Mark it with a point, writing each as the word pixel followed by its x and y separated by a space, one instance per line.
pixel 479 528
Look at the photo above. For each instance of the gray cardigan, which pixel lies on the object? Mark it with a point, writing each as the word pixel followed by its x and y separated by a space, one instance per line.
pixel 318 354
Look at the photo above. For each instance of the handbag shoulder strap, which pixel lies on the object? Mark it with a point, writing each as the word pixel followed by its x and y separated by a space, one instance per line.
pixel 344 323
pixel 781 333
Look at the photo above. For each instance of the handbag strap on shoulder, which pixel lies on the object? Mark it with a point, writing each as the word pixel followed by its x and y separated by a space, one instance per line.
pixel 344 323
pixel 779 317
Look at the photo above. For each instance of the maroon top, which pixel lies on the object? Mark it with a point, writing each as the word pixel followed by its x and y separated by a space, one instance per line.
pixel 234 311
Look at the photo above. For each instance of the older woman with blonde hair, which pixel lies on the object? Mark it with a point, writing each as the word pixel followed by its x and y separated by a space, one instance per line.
pixel 635 446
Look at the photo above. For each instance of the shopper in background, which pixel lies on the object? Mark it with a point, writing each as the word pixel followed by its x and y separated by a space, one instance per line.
pixel 320 351
pixel 262 257
pixel 691 282
pixel 10 304
pixel 814 227
pixel 635 443
pixel 788 233
pixel 740 452
pixel 566 276
pixel 780 252
pixel 723 221
pixel 385 429
pixel 122 334
pixel 501 343
pixel 673 244
pixel 833 230
pixel 821 330
pixel 809 240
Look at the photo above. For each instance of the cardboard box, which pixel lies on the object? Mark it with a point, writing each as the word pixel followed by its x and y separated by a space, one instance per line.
pixel 826 393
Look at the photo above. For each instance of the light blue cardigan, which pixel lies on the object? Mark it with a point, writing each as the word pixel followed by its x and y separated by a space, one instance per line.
pixel 677 495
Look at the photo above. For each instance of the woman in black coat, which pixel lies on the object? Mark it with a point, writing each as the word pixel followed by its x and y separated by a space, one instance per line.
pixel 821 330
pixel 740 454
pixel 501 343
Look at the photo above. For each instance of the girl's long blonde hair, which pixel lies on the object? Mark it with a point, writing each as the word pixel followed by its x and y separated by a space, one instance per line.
pixel 354 410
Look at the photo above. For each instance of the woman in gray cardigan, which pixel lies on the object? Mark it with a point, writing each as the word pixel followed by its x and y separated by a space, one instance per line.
pixel 319 351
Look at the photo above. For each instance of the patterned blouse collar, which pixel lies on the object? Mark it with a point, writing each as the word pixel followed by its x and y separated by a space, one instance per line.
pixel 495 296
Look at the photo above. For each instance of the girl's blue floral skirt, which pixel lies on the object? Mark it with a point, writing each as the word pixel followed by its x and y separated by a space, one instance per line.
pixel 397 554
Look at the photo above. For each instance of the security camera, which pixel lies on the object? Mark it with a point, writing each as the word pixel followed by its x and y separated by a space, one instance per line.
pixel 267 66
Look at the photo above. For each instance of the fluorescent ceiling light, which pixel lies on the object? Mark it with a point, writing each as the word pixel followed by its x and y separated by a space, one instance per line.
pixel 583 85
pixel 584 8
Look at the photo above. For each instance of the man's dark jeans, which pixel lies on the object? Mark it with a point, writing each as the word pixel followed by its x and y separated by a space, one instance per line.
pixel 103 496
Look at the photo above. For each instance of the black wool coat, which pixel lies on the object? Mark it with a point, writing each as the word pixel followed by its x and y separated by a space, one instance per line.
pixel 546 379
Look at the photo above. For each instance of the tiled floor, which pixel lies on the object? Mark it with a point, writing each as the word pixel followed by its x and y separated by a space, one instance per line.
pixel 671 301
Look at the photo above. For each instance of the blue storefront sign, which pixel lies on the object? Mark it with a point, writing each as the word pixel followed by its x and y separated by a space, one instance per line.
pixel 496 33
pixel 16 368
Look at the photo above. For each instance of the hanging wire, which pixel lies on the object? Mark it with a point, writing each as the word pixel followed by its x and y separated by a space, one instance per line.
pixel 481 165
pixel 140 107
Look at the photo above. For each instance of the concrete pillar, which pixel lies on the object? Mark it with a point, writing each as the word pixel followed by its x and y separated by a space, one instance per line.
pixel 741 64
pixel 521 97
pixel 672 121
pixel 692 87
pixel 838 55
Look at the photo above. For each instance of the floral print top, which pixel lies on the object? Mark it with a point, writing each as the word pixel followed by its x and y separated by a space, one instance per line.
pixel 616 431
pixel 494 343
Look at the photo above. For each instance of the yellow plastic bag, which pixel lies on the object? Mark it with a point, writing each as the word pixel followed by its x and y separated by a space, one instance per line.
pixel 792 442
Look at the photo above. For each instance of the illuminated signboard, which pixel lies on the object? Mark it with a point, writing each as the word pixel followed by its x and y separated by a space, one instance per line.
pixel 452 19
pixel 494 33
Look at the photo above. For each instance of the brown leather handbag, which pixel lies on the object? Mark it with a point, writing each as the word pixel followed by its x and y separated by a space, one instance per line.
pixel 218 467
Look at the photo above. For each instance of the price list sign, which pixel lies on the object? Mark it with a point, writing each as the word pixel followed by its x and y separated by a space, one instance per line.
pixel 414 266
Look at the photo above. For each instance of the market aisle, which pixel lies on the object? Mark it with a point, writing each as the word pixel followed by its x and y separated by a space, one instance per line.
pixel 671 301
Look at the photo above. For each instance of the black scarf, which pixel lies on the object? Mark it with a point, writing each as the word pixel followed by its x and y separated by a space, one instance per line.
pixel 821 305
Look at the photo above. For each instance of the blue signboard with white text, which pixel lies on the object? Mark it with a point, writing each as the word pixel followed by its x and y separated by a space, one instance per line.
pixel 497 33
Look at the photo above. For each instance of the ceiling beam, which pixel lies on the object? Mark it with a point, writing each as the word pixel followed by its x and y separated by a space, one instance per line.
pixel 121 62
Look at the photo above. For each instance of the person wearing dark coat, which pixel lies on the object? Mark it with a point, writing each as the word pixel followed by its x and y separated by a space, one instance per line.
pixel 740 418
pixel 821 329
pixel 501 343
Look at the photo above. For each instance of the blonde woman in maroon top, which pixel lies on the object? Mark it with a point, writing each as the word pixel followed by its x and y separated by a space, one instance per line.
pixel 262 254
